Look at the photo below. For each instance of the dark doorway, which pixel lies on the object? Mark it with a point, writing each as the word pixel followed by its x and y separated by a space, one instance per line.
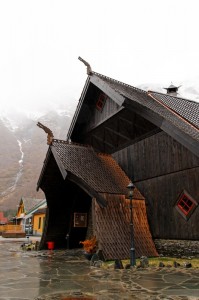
pixel 79 217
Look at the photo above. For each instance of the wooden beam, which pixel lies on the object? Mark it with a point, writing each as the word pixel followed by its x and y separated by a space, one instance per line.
pixel 59 163
pixel 103 86
pixel 78 109
pixel 126 121
pixel 43 168
pixel 102 140
pixel 117 133
pixel 109 118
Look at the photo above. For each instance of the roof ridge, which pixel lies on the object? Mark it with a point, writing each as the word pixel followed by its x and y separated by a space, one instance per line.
pixel 188 100
pixel 172 110
pixel 120 82
pixel 71 143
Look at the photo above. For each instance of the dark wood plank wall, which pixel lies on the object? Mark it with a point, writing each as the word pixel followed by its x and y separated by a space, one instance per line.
pixel 63 199
pixel 155 156
pixel 161 195
pixel 161 168
pixel 97 116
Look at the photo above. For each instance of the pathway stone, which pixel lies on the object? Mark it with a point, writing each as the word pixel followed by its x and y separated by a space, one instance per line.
pixel 62 275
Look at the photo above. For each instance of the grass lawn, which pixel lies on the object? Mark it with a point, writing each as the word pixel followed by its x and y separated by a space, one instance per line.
pixel 170 260
pixel 167 261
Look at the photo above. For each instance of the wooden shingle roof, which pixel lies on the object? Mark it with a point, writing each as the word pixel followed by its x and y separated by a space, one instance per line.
pixel 187 109
pixel 3 220
pixel 31 203
pixel 97 170
pixel 40 211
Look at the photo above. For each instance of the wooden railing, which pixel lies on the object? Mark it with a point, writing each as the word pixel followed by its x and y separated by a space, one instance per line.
pixel 14 228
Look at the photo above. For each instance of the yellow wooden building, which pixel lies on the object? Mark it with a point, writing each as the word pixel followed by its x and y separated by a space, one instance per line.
pixel 39 221
pixel 26 209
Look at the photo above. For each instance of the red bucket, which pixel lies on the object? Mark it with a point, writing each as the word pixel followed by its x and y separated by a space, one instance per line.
pixel 50 245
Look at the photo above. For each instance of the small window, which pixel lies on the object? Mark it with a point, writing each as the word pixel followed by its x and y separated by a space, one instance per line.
pixel 43 222
pixel 39 225
pixel 101 101
pixel 186 205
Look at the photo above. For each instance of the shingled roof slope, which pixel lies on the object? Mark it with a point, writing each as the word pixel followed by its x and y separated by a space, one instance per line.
pixel 99 171
pixel 181 110
pixel 187 109
pixel 40 211
pixel 31 203
pixel 3 219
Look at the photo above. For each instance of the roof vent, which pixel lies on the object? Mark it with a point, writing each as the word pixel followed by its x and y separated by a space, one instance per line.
pixel 172 90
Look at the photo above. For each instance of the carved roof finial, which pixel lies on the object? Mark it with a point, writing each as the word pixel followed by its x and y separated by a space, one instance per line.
pixel 89 70
pixel 50 135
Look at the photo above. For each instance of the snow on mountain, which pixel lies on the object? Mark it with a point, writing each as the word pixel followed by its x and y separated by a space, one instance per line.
pixel 9 123
pixel 16 119
pixel 23 151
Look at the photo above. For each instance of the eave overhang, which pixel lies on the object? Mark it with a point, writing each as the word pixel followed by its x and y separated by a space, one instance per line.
pixel 78 109
pixel 59 163
pixel 119 130
pixel 109 91
pixel 103 86
pixel 48 154
pixel 69 176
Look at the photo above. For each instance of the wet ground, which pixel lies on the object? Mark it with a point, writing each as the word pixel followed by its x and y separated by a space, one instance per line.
pixel 62 275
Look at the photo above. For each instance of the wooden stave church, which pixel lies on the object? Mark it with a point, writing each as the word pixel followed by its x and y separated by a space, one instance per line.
pixel 154 138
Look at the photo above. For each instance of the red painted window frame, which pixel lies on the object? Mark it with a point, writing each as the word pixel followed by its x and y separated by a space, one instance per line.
pixel 186 205
pixel 101 101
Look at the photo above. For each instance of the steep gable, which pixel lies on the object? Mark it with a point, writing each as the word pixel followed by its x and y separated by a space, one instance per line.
pixel 176 116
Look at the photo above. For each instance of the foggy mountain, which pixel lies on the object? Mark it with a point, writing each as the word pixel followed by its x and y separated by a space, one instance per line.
pixel 23 149
pixel 23 145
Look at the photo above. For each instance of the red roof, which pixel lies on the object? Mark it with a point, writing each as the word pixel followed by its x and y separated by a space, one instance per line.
pixel 3 220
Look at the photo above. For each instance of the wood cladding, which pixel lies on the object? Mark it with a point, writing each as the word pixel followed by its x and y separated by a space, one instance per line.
pixel 161 169
pixel 155 156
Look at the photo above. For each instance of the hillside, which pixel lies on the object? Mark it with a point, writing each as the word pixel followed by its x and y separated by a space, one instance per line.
pixel 22 151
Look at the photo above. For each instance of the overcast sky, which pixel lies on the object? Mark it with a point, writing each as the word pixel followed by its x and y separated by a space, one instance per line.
pixel 137 42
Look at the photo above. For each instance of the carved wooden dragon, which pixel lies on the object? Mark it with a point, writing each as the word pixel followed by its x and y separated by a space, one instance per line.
pixel 50 135
pixel 89 70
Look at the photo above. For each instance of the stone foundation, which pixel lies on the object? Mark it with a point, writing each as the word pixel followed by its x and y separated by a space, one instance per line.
pixel 177 248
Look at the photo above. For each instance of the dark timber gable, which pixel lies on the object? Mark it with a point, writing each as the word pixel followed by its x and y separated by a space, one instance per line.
pixel 111 129
pixel 130 102
pixel 155 139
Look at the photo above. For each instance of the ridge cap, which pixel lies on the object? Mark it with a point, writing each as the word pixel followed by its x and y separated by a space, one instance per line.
pixel 182 98
pixel 120 82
